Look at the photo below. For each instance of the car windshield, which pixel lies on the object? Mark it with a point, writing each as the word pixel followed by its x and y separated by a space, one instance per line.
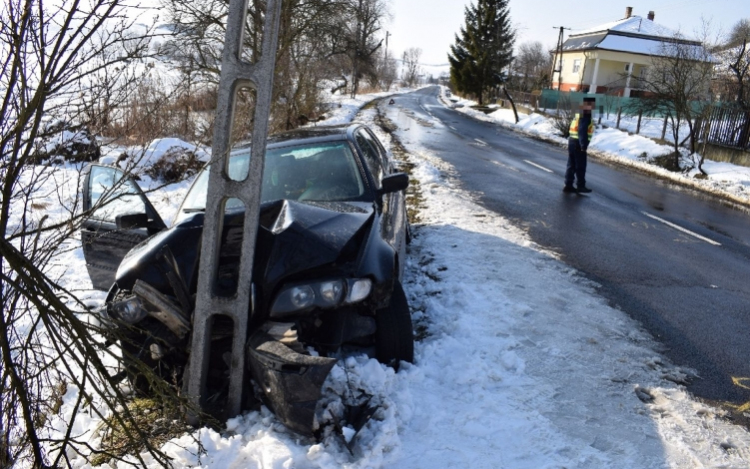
pixel 313 172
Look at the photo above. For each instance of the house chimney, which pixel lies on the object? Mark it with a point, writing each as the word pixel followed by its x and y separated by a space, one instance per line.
pixel 628 12
pixel 650 15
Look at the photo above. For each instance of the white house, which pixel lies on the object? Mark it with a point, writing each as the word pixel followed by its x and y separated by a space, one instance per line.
pixel 614 57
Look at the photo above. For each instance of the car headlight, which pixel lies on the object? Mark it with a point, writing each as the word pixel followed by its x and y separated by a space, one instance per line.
pixel 331 292
pixel 129 309
pixel 327 294
pixel 301 297
pixel 359 290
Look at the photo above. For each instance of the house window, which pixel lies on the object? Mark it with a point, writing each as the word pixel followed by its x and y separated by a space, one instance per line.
pixel 627 68
pixel 576 65
pixel 642 77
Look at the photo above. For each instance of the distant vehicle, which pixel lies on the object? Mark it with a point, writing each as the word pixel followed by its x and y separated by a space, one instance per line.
pixel 329 259
pixel 448 93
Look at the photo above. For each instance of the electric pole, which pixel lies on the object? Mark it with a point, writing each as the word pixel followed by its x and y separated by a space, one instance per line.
pixel 387 35
pixel 557 62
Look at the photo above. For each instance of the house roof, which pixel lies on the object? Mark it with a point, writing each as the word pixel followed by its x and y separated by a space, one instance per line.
pixel 634 25
pixel 634 35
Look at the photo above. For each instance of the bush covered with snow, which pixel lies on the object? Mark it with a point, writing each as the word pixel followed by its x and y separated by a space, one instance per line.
pixel 175 164
pixel 64 142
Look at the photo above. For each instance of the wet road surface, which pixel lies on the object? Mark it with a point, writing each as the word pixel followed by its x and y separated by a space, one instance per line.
pixel 676 260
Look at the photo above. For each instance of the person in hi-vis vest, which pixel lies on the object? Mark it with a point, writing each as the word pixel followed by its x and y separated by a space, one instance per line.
pixel 581 131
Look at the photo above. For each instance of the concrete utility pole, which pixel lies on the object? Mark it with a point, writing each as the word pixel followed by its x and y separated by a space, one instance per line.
pixel 235 74
pixel 387 35
pixel 558 55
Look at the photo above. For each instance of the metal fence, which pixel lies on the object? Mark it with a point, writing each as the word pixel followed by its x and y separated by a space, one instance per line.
pixel 605 103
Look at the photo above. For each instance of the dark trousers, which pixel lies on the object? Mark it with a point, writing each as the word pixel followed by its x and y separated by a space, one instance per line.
pixel 576 164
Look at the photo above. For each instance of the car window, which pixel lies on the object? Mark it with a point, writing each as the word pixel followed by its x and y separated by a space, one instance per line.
pixel 325 171
pixel 112 194
pixel 372 155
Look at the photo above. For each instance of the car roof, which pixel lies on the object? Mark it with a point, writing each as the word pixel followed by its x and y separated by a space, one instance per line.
pixel 308 134
pixel 305 135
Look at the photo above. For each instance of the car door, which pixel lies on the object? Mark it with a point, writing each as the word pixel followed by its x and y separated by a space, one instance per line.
pixel 119 216
pixel 393 208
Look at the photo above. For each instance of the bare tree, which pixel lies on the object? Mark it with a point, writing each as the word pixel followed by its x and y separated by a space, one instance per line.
pixel 532 65
pixel 411 70
pixel 51 58
pixel 677 85
pixel 734 74
pixel 387 72
pixel 362 43
pixel 319 40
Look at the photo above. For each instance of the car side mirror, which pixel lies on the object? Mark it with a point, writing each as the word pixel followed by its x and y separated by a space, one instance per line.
pixel 129 221
pixel 394 182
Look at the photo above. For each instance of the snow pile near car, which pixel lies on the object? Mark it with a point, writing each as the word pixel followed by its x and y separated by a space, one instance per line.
pixel 140 159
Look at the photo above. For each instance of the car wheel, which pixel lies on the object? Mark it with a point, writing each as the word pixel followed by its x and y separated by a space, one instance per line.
pixel 394 338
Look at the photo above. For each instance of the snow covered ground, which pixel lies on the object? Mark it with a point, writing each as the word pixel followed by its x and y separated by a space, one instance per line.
pixel 519 364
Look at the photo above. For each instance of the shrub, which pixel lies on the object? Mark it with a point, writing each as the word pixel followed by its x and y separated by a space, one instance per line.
pixel 564 117
pixel 175 165
pixel 666 161
pixel 63 142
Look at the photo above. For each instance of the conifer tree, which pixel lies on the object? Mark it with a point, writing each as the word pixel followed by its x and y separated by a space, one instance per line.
pixel 483 48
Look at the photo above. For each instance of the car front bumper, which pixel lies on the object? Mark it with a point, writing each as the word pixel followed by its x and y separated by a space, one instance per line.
pixel 291 382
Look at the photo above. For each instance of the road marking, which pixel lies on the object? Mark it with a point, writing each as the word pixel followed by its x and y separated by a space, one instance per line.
pixel 480 142
pixel 739 382
pixel 453 128
pixel 511 168
pixel 684 230
pixel 538 166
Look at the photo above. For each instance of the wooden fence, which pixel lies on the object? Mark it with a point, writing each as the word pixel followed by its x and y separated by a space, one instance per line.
pixel 729 128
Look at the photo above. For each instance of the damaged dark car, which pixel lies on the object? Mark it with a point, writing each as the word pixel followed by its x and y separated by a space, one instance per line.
pixel 327 274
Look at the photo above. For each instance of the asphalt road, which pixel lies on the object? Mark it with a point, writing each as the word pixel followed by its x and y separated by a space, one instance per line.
pixel 676 260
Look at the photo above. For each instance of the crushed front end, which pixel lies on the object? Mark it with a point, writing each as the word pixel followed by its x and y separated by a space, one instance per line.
pixel 320 274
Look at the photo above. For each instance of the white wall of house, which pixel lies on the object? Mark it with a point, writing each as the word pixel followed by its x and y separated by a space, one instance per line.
pixel 579 67
pixel 568 75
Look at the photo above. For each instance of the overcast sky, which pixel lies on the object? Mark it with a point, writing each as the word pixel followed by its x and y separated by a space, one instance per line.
pixel 432 24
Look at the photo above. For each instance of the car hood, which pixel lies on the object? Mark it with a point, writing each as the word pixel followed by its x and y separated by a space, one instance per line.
pixel 309 235
pixel 293 238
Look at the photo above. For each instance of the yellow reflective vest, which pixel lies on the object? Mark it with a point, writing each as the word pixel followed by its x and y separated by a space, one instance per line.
pixel 574 128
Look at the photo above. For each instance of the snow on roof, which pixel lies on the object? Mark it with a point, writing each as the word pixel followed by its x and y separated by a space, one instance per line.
pixel 632 25
pixel 633 35
pixel 631 44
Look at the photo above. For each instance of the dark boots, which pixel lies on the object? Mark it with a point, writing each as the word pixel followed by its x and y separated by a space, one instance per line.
pixel 572 190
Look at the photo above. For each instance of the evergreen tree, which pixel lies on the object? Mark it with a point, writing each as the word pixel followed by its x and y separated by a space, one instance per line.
pixel 483 49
